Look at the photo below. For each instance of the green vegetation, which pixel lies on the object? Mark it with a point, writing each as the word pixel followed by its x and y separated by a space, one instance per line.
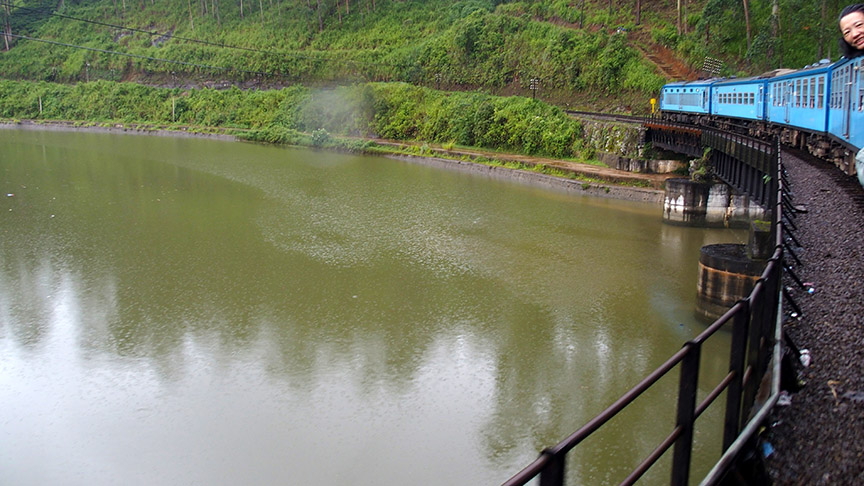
pixel 466 44
pixel 801 32
pixel 299 115
pixel 700 169
pixel 337 74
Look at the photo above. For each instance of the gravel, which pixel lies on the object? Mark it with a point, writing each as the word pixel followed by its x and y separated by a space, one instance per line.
pixel 819 438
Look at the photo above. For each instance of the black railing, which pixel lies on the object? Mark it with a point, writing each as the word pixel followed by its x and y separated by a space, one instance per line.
pixel 754 323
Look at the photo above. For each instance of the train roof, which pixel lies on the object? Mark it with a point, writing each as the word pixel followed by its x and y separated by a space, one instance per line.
pixel 692 84
pixel 816 68
pixel 732 81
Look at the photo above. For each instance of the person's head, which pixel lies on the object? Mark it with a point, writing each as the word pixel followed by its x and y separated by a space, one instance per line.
pixel 852 28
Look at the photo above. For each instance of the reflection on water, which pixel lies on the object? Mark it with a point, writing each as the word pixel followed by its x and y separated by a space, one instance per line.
pixel 177 311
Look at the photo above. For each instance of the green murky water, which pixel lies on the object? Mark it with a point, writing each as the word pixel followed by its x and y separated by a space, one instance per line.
pixel 188 311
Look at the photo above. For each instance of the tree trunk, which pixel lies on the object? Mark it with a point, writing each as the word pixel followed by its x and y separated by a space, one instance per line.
pixel 638 11
pixel 8 26
pixel 320 20
pixel 582 15
pixel 241 9
pixel 822 30
pixel 747 23
pixel 684 17
pixel 678 20
pixel 774 50
pixel 261 9
pixel 191 22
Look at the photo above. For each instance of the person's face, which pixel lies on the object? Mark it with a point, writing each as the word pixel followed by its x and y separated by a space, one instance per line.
pixel 852 28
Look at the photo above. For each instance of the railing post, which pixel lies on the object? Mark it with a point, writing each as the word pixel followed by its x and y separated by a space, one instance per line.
pixel 754 347
pixel 736 365
pixel 686 414
pixel 553 473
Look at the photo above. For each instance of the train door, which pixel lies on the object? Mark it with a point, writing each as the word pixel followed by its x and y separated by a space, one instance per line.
pixel 846 102
pixel 760 103
pixel 787 99
pixel 705 100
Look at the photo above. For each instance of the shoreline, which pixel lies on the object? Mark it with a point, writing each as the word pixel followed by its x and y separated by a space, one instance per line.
pixel 545 181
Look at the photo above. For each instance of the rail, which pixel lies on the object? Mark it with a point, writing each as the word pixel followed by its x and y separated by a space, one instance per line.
pixel 755 326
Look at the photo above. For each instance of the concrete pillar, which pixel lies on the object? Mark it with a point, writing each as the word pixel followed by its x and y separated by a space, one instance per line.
pixel 686 202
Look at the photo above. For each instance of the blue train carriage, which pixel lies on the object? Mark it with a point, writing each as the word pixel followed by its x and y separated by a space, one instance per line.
pixel 846 114
pixel 686 101
pixel 739 98
pixel 797 102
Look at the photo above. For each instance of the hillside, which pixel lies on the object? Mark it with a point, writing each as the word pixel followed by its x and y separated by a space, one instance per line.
pixel 585 54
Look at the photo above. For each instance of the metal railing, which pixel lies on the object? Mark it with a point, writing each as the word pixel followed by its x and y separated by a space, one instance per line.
pixel 755 323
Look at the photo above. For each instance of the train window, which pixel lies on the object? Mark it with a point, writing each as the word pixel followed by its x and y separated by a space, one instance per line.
pixel 813 93
pixel 752 99
pixel 820 93
pixel 805 88
pixel 798 94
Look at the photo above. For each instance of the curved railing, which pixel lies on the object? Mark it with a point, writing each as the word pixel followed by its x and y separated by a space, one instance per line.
pixel 755 326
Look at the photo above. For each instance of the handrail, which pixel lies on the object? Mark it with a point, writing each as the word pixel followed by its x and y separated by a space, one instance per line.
pixel 755 326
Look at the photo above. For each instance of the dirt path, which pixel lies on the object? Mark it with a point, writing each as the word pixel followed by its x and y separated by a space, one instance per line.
pixel 600 173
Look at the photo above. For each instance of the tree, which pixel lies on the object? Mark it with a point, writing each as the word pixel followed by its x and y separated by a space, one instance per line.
pixel 747 23
pixel 582 14
pixel 775 35
pixel 638 12
pixel 191 23
pixel 8 32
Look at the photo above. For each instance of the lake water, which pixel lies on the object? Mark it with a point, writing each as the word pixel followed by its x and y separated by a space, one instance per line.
pixel 190 311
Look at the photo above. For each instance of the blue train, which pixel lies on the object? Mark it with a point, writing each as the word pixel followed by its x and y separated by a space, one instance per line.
pixel 819 108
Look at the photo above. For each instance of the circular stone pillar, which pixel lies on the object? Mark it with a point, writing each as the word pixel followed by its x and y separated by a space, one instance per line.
pixel 726 276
